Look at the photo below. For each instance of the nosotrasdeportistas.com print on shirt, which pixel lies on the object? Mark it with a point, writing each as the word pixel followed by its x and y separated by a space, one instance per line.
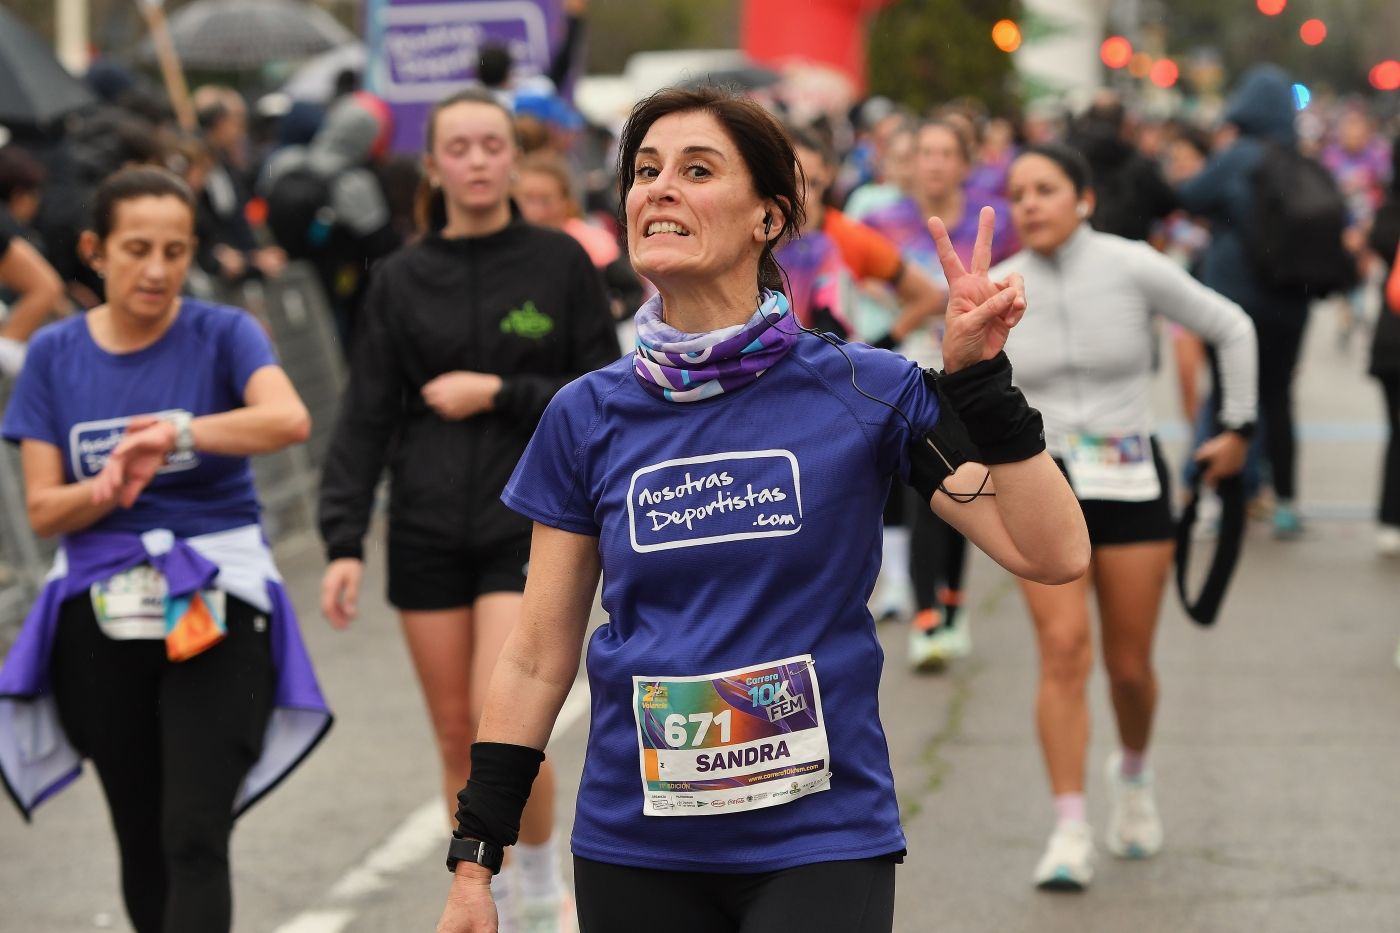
pixel 90 443
pixel 730 496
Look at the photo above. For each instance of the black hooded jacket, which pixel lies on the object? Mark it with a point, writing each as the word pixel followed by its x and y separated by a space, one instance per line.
pixel 524 303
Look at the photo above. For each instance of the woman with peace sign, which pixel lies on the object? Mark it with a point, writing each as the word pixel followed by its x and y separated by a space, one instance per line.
pixel 737 773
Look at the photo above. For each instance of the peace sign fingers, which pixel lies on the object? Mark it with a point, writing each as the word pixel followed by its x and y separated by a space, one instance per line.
pixel 982 249
pixel 947 256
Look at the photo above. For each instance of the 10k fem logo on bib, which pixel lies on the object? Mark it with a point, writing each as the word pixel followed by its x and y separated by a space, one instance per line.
pixel 744 739
pixel 730 496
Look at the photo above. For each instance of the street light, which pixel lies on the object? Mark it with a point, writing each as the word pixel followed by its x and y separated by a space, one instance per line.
pixel 1271 7
pixel 1116 52
pixel 1164 73
pixel 1386 76
pixel 1006 35
pixel 1312 32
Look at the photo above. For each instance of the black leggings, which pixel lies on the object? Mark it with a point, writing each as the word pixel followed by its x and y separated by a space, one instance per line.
pixel 1390 475
pixel 171 743
pixel 1280 333
pixel 852 897
pixel 937 554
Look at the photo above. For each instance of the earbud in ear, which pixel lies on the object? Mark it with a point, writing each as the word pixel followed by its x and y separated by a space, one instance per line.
pixel 1082 210
pixel 767 224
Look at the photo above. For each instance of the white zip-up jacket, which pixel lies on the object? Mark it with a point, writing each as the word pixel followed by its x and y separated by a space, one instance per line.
pixel 1083 352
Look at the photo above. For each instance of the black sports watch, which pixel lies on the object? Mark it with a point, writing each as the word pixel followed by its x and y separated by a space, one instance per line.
pixel 1245 430
pixel 477 851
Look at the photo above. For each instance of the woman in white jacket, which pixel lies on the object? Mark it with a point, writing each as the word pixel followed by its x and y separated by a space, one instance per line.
pixel 1084 358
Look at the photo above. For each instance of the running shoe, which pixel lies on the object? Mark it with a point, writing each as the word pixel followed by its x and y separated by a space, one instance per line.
pixel 1068 862
pixel 1288 524
pixel 1388 541
pixel 546 915
pixel 934 642
pixel 1134 828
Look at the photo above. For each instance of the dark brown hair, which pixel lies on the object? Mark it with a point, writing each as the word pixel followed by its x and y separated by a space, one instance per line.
pixel 430 207
pixel 138 181
pixel 1069 160
pixel 762 144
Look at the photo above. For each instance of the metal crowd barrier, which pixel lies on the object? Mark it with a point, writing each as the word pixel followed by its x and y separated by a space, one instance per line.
pixel 294 310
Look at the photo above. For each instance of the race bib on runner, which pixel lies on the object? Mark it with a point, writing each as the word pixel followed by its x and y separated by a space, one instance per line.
pixel 737 740
pixel 1115 467
pixel 131 605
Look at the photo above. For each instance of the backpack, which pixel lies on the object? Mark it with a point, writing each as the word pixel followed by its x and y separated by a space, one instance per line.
pixel 299 212
pixel 1296 220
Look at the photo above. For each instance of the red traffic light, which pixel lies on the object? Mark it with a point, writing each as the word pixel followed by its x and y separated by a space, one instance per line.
pixel 1312 32
pixel 1116 52
pixel 1386 76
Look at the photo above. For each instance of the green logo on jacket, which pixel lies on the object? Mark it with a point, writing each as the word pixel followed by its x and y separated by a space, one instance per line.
pixel 528 321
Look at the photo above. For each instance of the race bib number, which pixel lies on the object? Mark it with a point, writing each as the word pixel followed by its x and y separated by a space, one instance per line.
pixel 738 740
pixel 1116 467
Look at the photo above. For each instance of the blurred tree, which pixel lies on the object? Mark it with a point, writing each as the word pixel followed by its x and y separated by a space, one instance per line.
pixel 926 52
pixel 617 28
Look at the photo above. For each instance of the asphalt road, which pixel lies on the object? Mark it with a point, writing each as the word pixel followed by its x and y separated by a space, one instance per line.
pixel 1277 753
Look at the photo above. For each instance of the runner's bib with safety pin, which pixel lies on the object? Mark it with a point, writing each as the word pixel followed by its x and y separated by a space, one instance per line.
pixel 738 740
pixel 1116 467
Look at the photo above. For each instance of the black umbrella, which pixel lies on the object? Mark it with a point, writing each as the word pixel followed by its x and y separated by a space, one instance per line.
pixel 34 88
pixel 234 34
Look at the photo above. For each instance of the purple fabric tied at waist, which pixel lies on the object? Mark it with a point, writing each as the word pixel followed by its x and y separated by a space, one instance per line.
pixel 36 758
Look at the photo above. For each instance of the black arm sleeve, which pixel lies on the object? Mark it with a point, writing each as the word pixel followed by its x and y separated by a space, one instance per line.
pixel 592 345
pixel 369 416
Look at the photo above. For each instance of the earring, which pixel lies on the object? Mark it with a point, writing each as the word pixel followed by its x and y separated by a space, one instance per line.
pixel 1082 210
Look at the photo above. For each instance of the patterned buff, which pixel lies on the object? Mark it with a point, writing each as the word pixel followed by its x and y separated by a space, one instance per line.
pixel 681 367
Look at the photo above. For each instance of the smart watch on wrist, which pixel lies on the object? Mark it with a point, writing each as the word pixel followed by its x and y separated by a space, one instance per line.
pixel 477 851
pixel 183 422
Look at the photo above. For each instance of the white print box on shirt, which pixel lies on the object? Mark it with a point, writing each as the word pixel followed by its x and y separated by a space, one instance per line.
pixel 743 739
pixel 732 496
pixel 91 442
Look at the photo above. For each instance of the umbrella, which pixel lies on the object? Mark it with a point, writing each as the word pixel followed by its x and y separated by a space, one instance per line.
pixel 315 79
pixel 34 88
pixel 233 34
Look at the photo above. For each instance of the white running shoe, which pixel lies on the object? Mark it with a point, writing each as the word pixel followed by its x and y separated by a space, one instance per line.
pixel 933 643
pixel 1134 828
pixel 1068 862
pixel 546 914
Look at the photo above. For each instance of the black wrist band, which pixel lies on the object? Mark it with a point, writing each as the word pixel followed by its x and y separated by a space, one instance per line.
pixel 489 807
pixel 1001 425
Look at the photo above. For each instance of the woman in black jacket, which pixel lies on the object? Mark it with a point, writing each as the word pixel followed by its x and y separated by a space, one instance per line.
pixel 468 334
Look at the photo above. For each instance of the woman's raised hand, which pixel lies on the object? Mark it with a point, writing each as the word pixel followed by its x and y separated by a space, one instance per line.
pixel 981 312
pixel 135 460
